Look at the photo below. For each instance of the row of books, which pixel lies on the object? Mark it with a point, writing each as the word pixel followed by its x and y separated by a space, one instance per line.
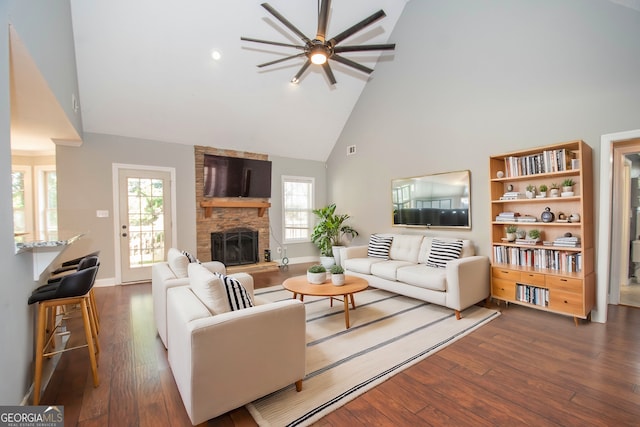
pixel 505 217
pixel 532 295
pixel 545 162
pixel 552 259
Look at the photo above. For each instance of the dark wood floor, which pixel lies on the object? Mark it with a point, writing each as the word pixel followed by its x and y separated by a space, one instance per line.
pixel 525 368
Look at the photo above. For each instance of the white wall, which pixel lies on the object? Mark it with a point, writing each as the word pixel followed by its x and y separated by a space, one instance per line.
pixel 45 29
pixel 474 78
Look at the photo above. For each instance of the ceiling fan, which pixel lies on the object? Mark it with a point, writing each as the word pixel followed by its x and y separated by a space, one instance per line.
pixel 320 50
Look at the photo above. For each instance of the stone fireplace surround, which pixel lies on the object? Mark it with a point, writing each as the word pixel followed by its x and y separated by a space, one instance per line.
pixel 222 219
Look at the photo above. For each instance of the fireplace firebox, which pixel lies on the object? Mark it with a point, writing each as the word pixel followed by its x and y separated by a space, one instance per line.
pixel 235 247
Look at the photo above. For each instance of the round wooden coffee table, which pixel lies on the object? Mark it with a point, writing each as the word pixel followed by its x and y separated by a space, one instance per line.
pixel 352 284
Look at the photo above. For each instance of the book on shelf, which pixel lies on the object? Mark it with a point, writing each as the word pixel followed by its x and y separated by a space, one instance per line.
pixel 527 218
pixel 527 241
pixel 546 161
pixel 512 195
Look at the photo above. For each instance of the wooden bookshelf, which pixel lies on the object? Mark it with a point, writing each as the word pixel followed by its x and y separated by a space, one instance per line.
pixel 547 275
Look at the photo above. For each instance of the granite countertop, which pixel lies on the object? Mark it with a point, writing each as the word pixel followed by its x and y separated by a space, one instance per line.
pixel 29 245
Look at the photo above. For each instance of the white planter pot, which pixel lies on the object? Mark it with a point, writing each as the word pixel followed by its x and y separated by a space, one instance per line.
pixel 337 279
pixel 316 278
pixel 327 261
pixel 336 254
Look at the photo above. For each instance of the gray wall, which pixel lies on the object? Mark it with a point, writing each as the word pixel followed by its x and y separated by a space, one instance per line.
pixel 85 186
pixel 45 30
pixel 293 167
pixel 474 78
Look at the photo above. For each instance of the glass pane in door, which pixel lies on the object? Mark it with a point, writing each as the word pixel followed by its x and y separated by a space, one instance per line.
pixel 146 221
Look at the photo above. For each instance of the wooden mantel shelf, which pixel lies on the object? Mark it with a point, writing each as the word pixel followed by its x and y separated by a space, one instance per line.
pixel 208 205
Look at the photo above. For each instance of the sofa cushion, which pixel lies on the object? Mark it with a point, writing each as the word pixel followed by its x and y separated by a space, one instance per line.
pixel 387 269
pixel 208 288
pixel 423 277
pixel 406 247
pixel 443 251
pixel 237 295
pixel 379 246
pixel 178 262
pixel 361 265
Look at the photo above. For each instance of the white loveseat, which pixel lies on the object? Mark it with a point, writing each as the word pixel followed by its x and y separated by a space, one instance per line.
pixel 224 359
pixel 462 282
pixel 172 273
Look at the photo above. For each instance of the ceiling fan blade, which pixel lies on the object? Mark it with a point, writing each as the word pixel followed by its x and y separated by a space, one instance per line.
pixel 352 64
pixel 357 27
pixel 286 23
pixel 266 64
pixel 323 18
pixel 363 47
pixel 329 73
pixel 248 39
pixel 296 78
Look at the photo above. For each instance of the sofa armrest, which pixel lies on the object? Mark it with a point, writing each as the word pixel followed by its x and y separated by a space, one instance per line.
pixel 163 278
pixel 468 281
pixel 225 361
pixel 246 280
pixel 353 252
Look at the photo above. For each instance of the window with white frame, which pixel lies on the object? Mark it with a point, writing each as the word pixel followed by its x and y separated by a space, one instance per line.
pixel 22 200
pixel 47 202
pixel 297 203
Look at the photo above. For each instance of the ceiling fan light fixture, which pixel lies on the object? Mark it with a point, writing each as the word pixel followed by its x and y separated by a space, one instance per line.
pixel 318 58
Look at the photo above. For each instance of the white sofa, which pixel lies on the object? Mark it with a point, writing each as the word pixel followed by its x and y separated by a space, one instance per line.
pixel 461 283
pixel 223 360
pixel 172 273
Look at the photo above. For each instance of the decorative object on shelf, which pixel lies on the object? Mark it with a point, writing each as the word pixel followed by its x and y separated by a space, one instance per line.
pixel 542 191
pixel 511 232
pixel 500 174
pixel 534 234
pixel 530 191
pixel 320 49
pixel 329 232
pixel 567 186
pixel 574 217
pixel 509 188
pixel 554 191
pixel 520 234
pixel 337 275
pixel 316 274
pixel 547 215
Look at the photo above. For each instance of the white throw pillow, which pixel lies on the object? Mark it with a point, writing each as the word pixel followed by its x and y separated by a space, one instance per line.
pixel 379 246
pixel 443 251
pixel 178 262
pixel 208 288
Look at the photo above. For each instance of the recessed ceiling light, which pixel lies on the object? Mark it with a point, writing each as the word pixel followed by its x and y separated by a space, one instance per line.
pixel 215 54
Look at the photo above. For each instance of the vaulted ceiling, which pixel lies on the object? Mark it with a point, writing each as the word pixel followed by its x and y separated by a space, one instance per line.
pixel 145 70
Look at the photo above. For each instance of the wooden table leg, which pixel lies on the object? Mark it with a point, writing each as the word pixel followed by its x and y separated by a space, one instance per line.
pixel 346 309
pixel 353 301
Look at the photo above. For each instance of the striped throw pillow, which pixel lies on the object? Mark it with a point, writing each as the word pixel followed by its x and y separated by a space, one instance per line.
pixel 379 246
pixel 237 295
pixel 443 251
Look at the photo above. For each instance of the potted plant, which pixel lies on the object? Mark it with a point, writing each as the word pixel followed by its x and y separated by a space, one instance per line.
pixel 567 186
pixel 542 190
pixel 530 191
pixel 534 234
pixel 337 275
pixel 554 190
pixel 316 274
pixel 329 232
pixel 511 232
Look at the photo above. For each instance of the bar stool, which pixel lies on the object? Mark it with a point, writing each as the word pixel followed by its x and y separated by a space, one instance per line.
pixel 86 262
pixel 73 289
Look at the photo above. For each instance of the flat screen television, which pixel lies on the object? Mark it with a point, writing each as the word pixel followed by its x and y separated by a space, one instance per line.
pixel 236 177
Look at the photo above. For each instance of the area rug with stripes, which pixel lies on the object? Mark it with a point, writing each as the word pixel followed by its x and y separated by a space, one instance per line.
pixel 388 333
